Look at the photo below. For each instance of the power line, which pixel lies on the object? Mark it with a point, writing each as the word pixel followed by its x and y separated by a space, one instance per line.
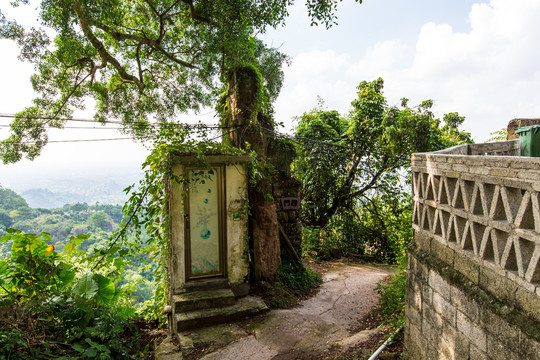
pixel 104 122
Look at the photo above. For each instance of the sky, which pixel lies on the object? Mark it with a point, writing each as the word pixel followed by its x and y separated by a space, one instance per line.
pixel 478 58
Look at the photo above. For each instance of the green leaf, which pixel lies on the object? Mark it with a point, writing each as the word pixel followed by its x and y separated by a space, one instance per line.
pixel 106 289
pixel 90 353
pixel 86 287
pixel 78 348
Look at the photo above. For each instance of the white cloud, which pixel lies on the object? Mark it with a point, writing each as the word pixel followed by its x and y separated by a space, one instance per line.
pixel 489 74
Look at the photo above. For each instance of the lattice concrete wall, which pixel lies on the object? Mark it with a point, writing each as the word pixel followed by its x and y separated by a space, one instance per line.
pixel 474 266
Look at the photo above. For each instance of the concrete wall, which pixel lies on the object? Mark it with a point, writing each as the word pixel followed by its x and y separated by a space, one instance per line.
pixel 237 245
pixel 473 270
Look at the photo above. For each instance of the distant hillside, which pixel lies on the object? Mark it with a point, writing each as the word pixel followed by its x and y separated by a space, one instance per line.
pixel 105 193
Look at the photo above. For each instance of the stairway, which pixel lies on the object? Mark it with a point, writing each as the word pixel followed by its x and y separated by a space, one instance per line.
pixel 209 302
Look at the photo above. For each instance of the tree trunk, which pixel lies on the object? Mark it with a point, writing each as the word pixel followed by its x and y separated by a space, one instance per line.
pixel 242 104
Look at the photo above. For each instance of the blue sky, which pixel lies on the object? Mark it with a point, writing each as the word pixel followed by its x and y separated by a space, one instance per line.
pixel 479 58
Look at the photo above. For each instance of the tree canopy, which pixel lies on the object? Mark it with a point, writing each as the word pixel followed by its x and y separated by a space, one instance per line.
pixel 140 60
pixel 345 159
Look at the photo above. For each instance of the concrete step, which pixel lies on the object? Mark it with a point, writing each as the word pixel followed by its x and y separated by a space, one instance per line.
pixel 197 300
pixel 206 284
pixel 247 306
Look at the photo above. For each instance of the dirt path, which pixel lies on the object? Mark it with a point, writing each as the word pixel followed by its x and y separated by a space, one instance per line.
pixel 307 332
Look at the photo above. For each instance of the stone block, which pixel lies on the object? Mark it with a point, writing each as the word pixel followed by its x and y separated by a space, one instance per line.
pixel 433 317
pixel 460 168
pixel 472 331
pixel 477 354
pixel 529 175
pixel 529 302
pixel 442 252
pixel 481 170
pixel 422 240
pixel 444 308
pixel 417 344
pixel 439 284
pixel 499 330
pixel 414 317
pixel 466 266
pixel 415 295
pixel 465 304
pixel 529 348
pixel 499 286
pixel 498 351
pixel 503 173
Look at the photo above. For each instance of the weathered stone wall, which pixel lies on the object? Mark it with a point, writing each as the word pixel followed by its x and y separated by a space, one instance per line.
pixel 473 271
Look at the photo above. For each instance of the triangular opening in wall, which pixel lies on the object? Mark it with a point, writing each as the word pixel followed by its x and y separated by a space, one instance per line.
pixel 416 214
pixel 445 221
pixel 499 238
pixel 426 221
pixel 498 212
pixel 430 214
pixel 451 184
pixel 415 187
pixel 424 183
pixel 535 276
pixel 421 214
pixel 438 229
pixel 525 217
pixel 468 188
pixel 443 197
pixel 477 232
pixel 430 195
pixel 487 249
pixel 452 236
pixel 512 199
pixel 476 202
pixel 436 181
pixel 459 224
pixel 458 201
pixel 467 243
pixel 526 249
pixel 489 190
pixel 511 262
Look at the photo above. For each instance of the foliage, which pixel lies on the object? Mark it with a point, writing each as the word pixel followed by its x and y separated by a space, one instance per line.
pixel 293 281
pixel 55 309
pixel 392 292
pixel 498 135
pixel 354 172
pixel 139 60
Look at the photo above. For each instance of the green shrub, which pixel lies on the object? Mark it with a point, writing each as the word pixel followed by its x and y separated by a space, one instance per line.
pixel 294 281
pixel 392 292
pixel 52 309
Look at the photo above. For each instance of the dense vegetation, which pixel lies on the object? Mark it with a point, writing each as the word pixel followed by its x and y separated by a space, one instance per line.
pixel 96 222
pixel 355 172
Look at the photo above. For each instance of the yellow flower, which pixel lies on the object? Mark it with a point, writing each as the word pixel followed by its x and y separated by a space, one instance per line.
pixel 49 250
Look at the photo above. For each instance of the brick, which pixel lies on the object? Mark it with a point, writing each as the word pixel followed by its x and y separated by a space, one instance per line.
pixel 503 173
pixel 479 170
pixel 442 252
pixel 439 284
pixel 498 351
pixel 473 332
pixel 500 330
pixel 500 287
pixel 477 354
pixel 529 175
pixel 466 266
pixel 444 308
pixel 465 304
pixel 529 302
pixel 529 348
pixel 460 168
